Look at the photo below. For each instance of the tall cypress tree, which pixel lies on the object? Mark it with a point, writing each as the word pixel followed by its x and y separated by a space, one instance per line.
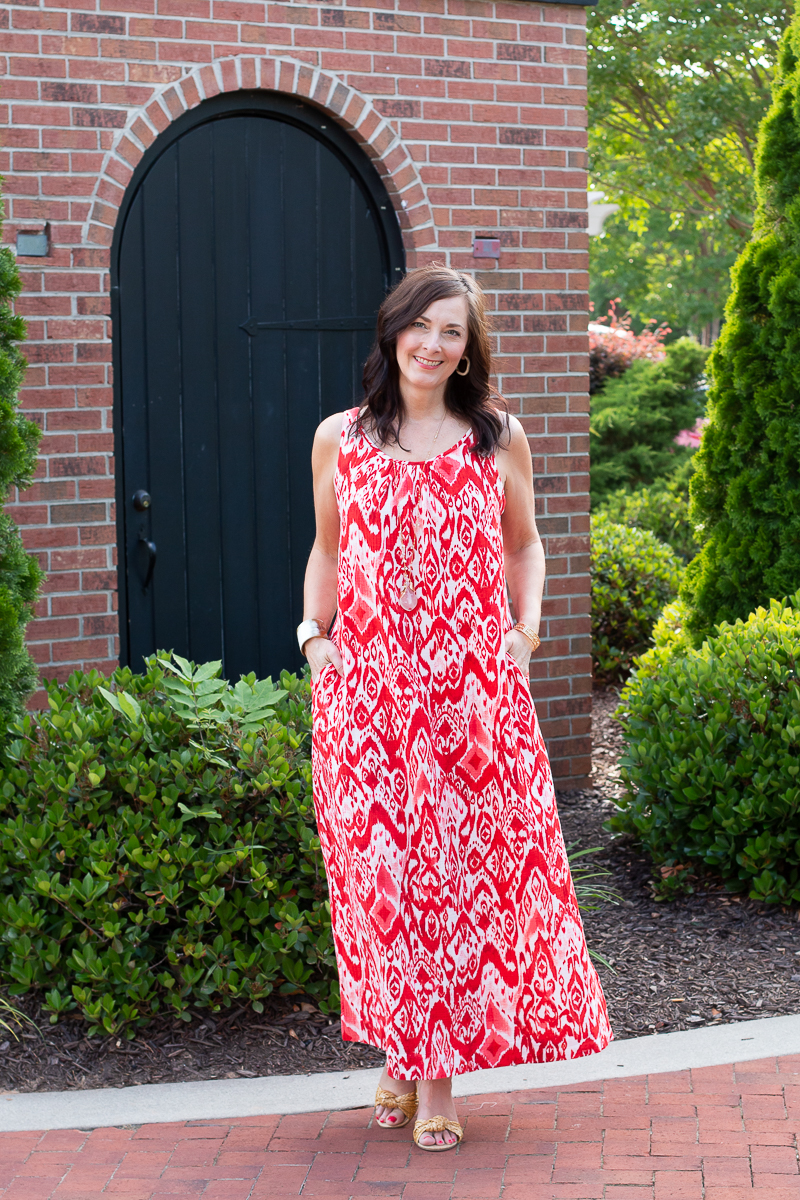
pixel 746 488
pixel 20 576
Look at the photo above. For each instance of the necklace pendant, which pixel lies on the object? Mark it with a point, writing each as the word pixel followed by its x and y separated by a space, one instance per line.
pixel 409 600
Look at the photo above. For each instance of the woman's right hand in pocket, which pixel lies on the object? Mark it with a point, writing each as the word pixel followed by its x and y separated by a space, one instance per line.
pixel 320 651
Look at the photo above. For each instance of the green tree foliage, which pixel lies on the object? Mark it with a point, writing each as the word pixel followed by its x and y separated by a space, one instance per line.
pixel 712 765
pixel 746 488
pixel 661 271
pixel 662 507
pixel 158 851
pixel 677 89
pixel 20 576
pixel 634 576
pixel 635 418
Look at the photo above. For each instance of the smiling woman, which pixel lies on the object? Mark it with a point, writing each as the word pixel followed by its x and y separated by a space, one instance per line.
pixel 436 340
pixel 458 937
pixel 425 326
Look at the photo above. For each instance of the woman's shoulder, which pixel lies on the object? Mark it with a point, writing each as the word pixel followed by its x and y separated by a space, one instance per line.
pixel 329 431
pixel 513 454
pixel 328 436
pixel 326 441
pixel 513 435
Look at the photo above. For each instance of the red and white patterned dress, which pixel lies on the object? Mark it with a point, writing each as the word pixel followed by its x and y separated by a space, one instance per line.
pixel 458 937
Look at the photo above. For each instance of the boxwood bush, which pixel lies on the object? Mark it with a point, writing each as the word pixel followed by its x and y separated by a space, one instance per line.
pixel 158 851
pixel 633 576
pixel 712 763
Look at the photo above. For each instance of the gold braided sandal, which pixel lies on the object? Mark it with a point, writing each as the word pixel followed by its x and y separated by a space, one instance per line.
pixel 438 1125
pixel 407 1103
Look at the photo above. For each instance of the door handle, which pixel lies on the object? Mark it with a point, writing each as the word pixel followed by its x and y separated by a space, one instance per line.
pixel 151 549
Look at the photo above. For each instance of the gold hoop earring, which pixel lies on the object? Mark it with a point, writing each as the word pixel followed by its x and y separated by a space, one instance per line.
pixel 467 370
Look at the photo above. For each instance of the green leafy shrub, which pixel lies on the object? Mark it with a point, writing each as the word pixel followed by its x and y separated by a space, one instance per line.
pixel 20 576
pixel 635 419
pixel 159 853
pixel 746 491
pixel 633 576
pixel 712 763
pixel 669 632
pixel 158 850
pixel 662 507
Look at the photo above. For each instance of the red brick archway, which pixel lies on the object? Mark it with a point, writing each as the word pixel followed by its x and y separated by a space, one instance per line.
pixel 353 111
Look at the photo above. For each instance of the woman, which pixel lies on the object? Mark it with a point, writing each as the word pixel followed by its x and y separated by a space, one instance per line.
pixel 458 937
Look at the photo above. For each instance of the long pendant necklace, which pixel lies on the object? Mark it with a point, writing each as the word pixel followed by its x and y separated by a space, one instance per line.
pixel 410 597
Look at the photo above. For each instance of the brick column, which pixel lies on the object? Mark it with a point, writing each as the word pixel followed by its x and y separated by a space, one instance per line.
pixel 474 112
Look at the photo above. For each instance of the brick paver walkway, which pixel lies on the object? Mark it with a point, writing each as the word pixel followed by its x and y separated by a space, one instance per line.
pixel 720 1133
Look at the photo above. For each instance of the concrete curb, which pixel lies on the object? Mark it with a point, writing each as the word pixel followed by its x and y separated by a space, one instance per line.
pixel 219 1098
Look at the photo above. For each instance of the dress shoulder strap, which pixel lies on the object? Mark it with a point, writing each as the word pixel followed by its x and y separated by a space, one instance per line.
pixel 348 419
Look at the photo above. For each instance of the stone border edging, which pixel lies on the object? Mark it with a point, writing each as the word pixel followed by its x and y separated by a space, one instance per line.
pixel 216 1099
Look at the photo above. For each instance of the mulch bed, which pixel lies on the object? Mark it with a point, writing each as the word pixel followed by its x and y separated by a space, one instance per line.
pixel 288 1038
pixel 699 960
pixel 703 959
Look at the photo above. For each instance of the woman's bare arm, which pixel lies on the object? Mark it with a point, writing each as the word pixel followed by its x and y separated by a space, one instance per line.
pixel 319 592
pixel 523 550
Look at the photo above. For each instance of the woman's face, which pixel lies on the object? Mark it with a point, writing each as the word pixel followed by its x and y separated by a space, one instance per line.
pixel 432 346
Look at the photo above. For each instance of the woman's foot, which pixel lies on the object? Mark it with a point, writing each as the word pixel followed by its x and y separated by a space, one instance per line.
pixel 393 1118
pixel 436 1100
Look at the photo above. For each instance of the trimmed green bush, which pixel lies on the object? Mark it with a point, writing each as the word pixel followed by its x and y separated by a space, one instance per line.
pixel 746 491
pixel 712 763
pixel 20 576
pixel 633 576
pixel 635 419
pixel 158 850
pixel 669 632
pixel 663 508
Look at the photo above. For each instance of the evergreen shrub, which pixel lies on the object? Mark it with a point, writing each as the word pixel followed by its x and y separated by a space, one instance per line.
pixel 746 490
pixel 158 851
pixel 712 763
pixel 20 576
pixel 634 420
pixel 662 507
pixel 634 576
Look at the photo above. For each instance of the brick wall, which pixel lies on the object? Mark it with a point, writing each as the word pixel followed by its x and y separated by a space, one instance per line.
pixel 474 113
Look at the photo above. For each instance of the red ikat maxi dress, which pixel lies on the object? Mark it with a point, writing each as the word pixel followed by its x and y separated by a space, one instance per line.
pixel 458 937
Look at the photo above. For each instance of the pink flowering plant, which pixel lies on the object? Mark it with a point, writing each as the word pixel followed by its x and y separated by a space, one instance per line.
pixel 613 346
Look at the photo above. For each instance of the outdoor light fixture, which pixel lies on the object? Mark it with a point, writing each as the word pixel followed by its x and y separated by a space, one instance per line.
pixel 486 248
pixel 33 245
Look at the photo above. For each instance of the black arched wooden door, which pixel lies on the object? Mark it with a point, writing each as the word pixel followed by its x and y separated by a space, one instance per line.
pixel 251 256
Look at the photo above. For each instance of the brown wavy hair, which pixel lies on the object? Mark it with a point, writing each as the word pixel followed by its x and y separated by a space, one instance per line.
pixel 470 396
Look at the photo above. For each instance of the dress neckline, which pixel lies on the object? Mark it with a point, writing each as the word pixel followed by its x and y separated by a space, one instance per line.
pixel 415 462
